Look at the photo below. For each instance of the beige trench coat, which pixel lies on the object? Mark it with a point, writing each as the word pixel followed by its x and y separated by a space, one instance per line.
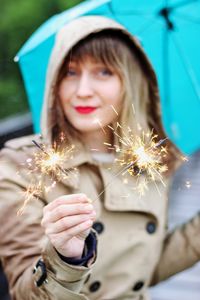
pixel 133 248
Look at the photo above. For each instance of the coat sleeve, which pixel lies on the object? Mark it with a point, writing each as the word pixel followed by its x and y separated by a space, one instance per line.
pixel 181 250
pixel 23 243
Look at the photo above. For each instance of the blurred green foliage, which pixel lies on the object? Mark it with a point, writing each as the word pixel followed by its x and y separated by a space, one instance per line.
pixel 19 19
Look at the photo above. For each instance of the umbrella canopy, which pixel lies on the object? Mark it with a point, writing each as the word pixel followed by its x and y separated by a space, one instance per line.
pixel 169 32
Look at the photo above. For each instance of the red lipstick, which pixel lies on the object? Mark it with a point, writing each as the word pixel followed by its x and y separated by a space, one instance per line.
pixel 85 109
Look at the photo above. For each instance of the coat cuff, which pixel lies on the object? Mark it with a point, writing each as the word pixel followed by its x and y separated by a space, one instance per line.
pixel 69 276
pixel 88 253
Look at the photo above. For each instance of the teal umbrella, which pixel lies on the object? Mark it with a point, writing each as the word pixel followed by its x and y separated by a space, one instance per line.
pixel 169 32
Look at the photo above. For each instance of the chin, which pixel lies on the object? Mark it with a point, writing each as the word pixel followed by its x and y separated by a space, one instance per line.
pixel 84 128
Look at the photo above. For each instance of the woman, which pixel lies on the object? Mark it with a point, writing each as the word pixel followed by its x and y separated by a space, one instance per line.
pixel 96 72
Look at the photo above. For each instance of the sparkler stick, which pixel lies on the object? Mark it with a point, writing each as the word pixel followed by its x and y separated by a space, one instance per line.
pixel 115 175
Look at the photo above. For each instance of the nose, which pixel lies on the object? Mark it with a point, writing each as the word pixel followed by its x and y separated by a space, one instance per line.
pixel 84 86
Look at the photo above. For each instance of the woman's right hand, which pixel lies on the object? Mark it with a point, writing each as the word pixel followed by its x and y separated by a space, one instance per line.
pixel 67 221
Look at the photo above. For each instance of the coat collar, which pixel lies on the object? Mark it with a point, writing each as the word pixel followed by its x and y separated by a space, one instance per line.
pixel 80 157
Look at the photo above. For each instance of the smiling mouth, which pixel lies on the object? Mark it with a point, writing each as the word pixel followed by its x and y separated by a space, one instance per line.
pixel 85 109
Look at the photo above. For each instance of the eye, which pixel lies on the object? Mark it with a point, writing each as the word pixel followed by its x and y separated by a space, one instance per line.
pixel 71 73
pixel 106 72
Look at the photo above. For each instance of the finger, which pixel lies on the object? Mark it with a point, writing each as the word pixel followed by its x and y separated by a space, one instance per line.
pixel 67 210
pixel 60 239
pixel 68 222
pixel 66 199
pixel 79 229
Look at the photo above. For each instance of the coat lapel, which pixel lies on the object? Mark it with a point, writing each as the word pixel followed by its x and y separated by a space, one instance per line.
pixel 119 196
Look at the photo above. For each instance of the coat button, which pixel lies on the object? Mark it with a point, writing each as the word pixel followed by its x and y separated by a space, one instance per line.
pixel 95 286
pixel 138 286
pixel 151 227
pixel 99 227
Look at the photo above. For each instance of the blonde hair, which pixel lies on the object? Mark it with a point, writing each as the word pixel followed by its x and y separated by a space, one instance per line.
pixel 117 51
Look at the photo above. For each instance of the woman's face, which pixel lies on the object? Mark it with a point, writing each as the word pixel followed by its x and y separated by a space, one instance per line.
pixel 88 92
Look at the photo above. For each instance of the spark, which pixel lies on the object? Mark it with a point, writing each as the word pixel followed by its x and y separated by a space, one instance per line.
pixel 111 128
pixel 62 137
pixel 125 196
pixel 139 127
pixel 114 110
pixel 94 149
pixel 141 187
pixel 125 181
pixel 48 188
pixel 188 184
pixel 97 121
pixel 133 109
pixel 118 125
pixel 184 158
pixel 33 191
pixel 108 144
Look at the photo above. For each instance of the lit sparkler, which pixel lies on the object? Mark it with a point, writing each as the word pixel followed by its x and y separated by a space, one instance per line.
pixel 140 153
pixel 143 155
pixel 48 161
pixel 140 156
pixel 184 158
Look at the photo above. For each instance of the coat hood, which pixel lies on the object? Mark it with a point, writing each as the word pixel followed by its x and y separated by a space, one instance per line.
pixel 68 36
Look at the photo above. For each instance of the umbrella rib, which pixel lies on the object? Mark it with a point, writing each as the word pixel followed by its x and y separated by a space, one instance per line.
pixel 187 18
pixel 146 25
pixel 117 15
pixel 129 12
pixel 183 3
pixel 166 70
pixel 136 13
pixel 188 67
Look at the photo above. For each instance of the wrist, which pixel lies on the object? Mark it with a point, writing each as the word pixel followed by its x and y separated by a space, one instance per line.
pixel 72 251
pixel 89 251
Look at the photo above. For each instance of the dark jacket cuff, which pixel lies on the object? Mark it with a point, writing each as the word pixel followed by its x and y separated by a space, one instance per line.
pixel 90 246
